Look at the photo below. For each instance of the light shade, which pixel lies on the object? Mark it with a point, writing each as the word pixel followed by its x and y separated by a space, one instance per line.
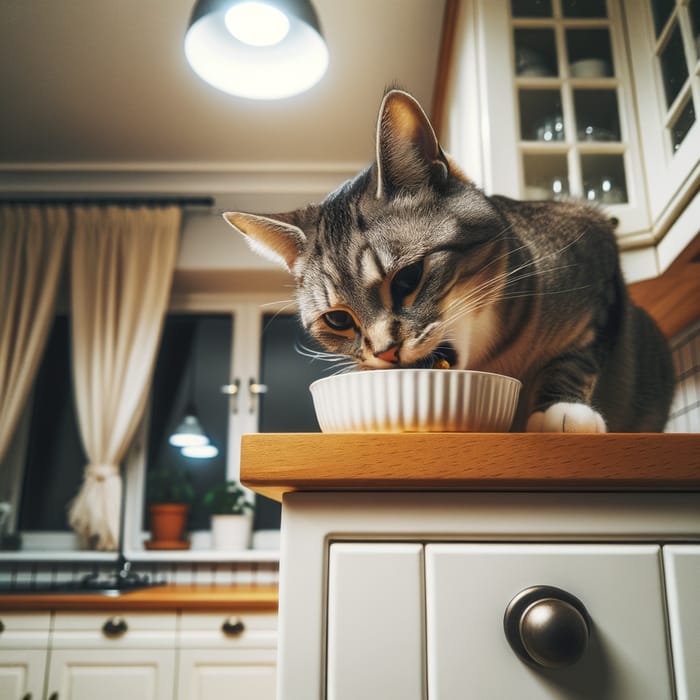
pixel 287 67
pixel 200 451
pixel 189 432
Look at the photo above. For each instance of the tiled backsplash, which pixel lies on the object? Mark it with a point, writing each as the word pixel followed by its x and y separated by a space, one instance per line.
pixel 685 411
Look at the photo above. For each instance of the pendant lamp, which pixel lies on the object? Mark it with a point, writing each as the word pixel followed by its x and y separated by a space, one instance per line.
pixel 189 432
pixel 259 49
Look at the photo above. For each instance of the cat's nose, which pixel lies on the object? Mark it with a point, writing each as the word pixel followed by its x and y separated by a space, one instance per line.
pixel 391 354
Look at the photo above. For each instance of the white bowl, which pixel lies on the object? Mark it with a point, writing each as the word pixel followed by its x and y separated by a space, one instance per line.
pixel 590 68
pixel 415 400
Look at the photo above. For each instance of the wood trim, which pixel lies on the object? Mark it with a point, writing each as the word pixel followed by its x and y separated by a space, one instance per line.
pixel 444 65
pixel 169 597
pixel 275 464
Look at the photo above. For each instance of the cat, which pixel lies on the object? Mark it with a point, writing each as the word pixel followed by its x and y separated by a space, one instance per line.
pixel 409 262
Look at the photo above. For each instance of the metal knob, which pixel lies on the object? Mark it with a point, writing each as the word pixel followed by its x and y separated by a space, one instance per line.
pixel 547 627
pixel 114 627
pixel 232 628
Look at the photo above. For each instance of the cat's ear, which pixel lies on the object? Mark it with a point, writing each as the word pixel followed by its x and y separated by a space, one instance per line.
pixel 408 152
pixel 274 237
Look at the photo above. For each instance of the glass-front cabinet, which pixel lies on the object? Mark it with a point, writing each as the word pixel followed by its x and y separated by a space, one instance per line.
pixel 590 99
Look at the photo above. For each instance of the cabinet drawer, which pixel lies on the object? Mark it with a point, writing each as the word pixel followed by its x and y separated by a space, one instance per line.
pixel 24 630
pixel 469 588
pixel 110 629
pixel 228 629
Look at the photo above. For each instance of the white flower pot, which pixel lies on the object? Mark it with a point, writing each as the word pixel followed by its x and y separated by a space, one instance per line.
pixel 231 532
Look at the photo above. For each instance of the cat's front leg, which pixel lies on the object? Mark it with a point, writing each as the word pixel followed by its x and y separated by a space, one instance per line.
pixel 565 417
pixel 562 396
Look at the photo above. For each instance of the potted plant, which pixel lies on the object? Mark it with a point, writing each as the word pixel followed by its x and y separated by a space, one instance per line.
pixel 231 516
pixel 169 494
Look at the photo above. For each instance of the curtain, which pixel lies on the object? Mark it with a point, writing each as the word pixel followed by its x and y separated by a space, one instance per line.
pixel 121 273
pixel 32 244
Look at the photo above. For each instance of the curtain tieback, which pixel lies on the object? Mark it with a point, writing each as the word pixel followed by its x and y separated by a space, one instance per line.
pixel 101 472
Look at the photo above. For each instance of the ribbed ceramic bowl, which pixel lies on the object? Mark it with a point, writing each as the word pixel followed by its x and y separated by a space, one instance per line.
pixel 415 400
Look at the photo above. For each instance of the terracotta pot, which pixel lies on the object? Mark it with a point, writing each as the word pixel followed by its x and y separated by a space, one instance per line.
pixel 168 521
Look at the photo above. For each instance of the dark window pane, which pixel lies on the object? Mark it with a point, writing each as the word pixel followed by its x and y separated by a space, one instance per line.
pixel 682 125
pixel 589 53
pixel 194 361
pixel 584 8
pixel 604 178
pixel 531 8
pixel 55 456
pixel 546 177
pixel 541 115
pixel 596 115
pixel 673 66
pixel 287 405
pixel 535 52
pixel 661 11
pixel 694 13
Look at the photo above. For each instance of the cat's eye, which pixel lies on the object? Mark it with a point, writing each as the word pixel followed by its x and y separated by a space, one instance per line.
pixel 406 280
pixel 338 320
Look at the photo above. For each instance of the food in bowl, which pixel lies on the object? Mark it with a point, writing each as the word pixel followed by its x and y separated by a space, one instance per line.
pixel 415 400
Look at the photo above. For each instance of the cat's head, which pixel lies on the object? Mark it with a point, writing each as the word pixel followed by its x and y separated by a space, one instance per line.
pixel 387 265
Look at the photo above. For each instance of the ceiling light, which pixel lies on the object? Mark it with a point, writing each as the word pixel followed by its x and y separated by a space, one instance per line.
pixel 189 432
pixel 260 50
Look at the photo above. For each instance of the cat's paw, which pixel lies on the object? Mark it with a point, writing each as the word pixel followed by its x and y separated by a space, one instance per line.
pixel 566 418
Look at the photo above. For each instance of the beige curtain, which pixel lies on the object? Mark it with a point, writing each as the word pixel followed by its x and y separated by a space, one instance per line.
pixel 121 272
pixel 32 245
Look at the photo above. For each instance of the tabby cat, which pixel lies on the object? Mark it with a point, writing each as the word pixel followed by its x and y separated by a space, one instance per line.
pixel 409 261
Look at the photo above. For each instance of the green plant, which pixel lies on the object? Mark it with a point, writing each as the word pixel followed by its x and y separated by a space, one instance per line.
pixel 227 499
pixel 169 485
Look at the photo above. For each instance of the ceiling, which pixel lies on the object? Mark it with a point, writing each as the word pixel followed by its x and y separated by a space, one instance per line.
pixel 97 95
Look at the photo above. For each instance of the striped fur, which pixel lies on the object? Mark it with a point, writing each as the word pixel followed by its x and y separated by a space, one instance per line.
pixel 409 261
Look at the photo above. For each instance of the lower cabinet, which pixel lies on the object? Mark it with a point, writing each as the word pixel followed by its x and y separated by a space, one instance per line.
pixel 98 656
pixel 137 656
pixel 447 620
pixel 24 641
pixel 221 657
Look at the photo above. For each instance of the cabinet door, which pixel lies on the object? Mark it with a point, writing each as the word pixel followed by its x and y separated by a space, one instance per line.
pixel 682 564
pixel 22 674
pixel 375 622
pixel 218 674
pixel 101 674
pixel 469 587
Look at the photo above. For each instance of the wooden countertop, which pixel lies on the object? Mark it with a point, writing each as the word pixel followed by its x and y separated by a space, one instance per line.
pixel 274 464
pixel 168 597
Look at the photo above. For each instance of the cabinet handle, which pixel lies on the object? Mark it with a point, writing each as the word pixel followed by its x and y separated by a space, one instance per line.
pixel 28 696
pixel 233 629
pixel 547 627
pixel 2 626
pixel 114 627
pixel 53 696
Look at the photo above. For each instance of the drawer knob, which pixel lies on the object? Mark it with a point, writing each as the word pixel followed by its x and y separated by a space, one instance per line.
pixel 547 627
pixel 114 627
pixel 233 629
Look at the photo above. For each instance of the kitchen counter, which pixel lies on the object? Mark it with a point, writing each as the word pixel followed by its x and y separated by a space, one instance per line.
pixel 275 464
pixel 166 597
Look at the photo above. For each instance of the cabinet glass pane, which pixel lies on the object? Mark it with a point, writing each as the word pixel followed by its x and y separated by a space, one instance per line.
pixel 604 178
pixel 661 10
pixel 545 176
pixel 674 69
pixel 194 361
pixel 589 53
pixel 541 115
pixel 55 457
pixel 694 14
pixel 535 52
pixel 531 8
pixel 596 115
pixel 682 125
pixel 584 8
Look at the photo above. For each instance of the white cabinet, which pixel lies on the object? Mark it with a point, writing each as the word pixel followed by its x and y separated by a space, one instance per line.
pixel 375 622
pixel 24 640
pixel 223 656
pixel 590 100
pixel 112 656
pixel 469 587
pixel 682 563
